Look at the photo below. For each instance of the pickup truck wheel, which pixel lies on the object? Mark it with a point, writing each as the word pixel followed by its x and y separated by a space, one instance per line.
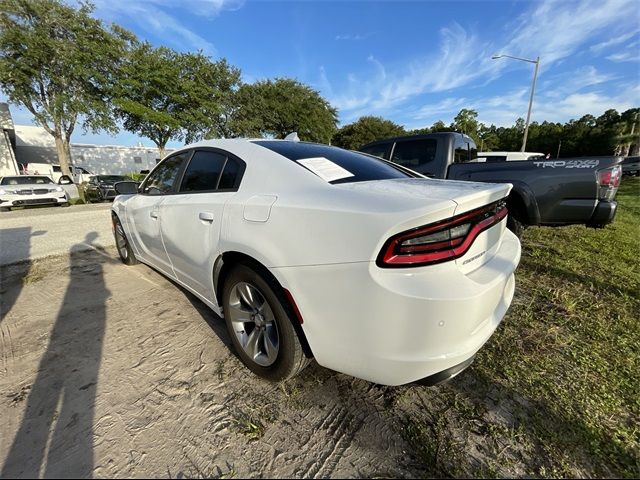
pixel 515 225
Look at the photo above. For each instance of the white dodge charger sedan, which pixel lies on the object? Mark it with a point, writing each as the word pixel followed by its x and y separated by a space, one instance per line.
pixel 311 251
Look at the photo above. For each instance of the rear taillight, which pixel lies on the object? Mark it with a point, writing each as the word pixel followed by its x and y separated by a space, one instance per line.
pixel 608 181
pixel 441 241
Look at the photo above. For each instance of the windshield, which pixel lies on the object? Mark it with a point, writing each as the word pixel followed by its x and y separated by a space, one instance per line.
pixel 111 178
pixel 332 162
pixel 25 180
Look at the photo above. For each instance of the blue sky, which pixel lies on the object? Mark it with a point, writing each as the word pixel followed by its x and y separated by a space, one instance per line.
pixel 413 62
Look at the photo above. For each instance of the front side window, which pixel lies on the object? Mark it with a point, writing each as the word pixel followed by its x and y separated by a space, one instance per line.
pixel 162 179
pixel 203 172
pixel 415 153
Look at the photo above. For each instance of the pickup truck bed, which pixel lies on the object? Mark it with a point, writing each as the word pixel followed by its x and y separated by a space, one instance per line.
pixel 545 192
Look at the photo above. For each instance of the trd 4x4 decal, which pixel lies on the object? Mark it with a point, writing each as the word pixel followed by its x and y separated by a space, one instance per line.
pixel 568 164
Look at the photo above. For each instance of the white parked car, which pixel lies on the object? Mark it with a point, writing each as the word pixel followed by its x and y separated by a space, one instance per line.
pixel 309 251
pixel 28 190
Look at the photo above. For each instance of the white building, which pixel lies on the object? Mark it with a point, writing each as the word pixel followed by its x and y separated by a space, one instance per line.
pixel 35 145
pixel 8 164
pixel 24 144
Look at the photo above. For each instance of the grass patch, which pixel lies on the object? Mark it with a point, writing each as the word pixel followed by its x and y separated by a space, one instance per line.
pixel 570 344
pixel 556 391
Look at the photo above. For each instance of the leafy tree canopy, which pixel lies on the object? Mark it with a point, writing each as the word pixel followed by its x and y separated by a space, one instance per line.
pixel 60 63
pixel 365 130
pixel 281 106
pixel 163 94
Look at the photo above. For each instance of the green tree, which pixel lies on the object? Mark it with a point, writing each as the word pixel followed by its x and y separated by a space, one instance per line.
pixel 364 130
pixel 467 122
pixel 440 126
pixel 163 95
pixel 281 106
pixel 60 64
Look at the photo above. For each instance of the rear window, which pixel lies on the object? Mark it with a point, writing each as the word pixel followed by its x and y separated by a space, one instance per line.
pixel 378 150
pixel 361 167
pixel 415 153
pixel 25 180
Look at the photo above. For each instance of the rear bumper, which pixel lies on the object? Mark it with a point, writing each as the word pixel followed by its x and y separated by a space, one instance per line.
pixel 603 215
pixel 396 326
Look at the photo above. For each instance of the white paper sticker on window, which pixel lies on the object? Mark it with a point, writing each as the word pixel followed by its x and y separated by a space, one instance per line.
pixel 325 168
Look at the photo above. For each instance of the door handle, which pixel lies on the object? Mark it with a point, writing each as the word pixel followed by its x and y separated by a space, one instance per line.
pixel 206 217
pixel 153 215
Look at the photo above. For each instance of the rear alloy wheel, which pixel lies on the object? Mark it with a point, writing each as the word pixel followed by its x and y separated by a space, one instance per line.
pixel 260 326
pixel 122 244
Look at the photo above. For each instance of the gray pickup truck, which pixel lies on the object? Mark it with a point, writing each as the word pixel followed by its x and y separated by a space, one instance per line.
pixel 545 192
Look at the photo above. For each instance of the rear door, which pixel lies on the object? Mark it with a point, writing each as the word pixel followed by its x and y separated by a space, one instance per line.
pixel 191 220
pixel 143 210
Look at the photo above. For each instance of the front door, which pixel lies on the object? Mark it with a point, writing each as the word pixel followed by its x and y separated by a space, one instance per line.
pixel 192 218
pixel 144 211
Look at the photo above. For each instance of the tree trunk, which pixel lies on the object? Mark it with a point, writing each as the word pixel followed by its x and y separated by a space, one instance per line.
pixel 161 150
pixel 62 147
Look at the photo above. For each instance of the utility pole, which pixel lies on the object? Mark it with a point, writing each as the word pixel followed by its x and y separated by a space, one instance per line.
pixel 533 88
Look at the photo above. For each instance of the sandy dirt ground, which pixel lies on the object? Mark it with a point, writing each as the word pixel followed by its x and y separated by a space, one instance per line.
pixel 110 370
pixel 114 371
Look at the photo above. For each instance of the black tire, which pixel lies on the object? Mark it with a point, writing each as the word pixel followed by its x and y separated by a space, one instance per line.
pixel 122 244
pixel 5 209
pixel 515 225
pixel 290 359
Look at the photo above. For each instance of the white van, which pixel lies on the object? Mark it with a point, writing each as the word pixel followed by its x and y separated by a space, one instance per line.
pixel 508 156
pixel 54 171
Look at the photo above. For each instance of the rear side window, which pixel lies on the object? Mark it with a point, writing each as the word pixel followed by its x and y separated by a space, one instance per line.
pixel 415 153
pixel 378 150
pixel 230 175
pixel 465 150
pixel 162 179
pixel 203 172
pixel 361 167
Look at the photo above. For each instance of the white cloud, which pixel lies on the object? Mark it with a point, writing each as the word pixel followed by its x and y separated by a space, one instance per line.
pixel 556 29
pixel 616 40
pixel 447 106
pixel 624 57
pixel 353 37
pixel 552 29
pixel 152 16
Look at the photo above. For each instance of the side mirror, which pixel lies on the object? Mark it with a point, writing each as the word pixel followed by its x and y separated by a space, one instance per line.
pixel 126 188
pixel 64 180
